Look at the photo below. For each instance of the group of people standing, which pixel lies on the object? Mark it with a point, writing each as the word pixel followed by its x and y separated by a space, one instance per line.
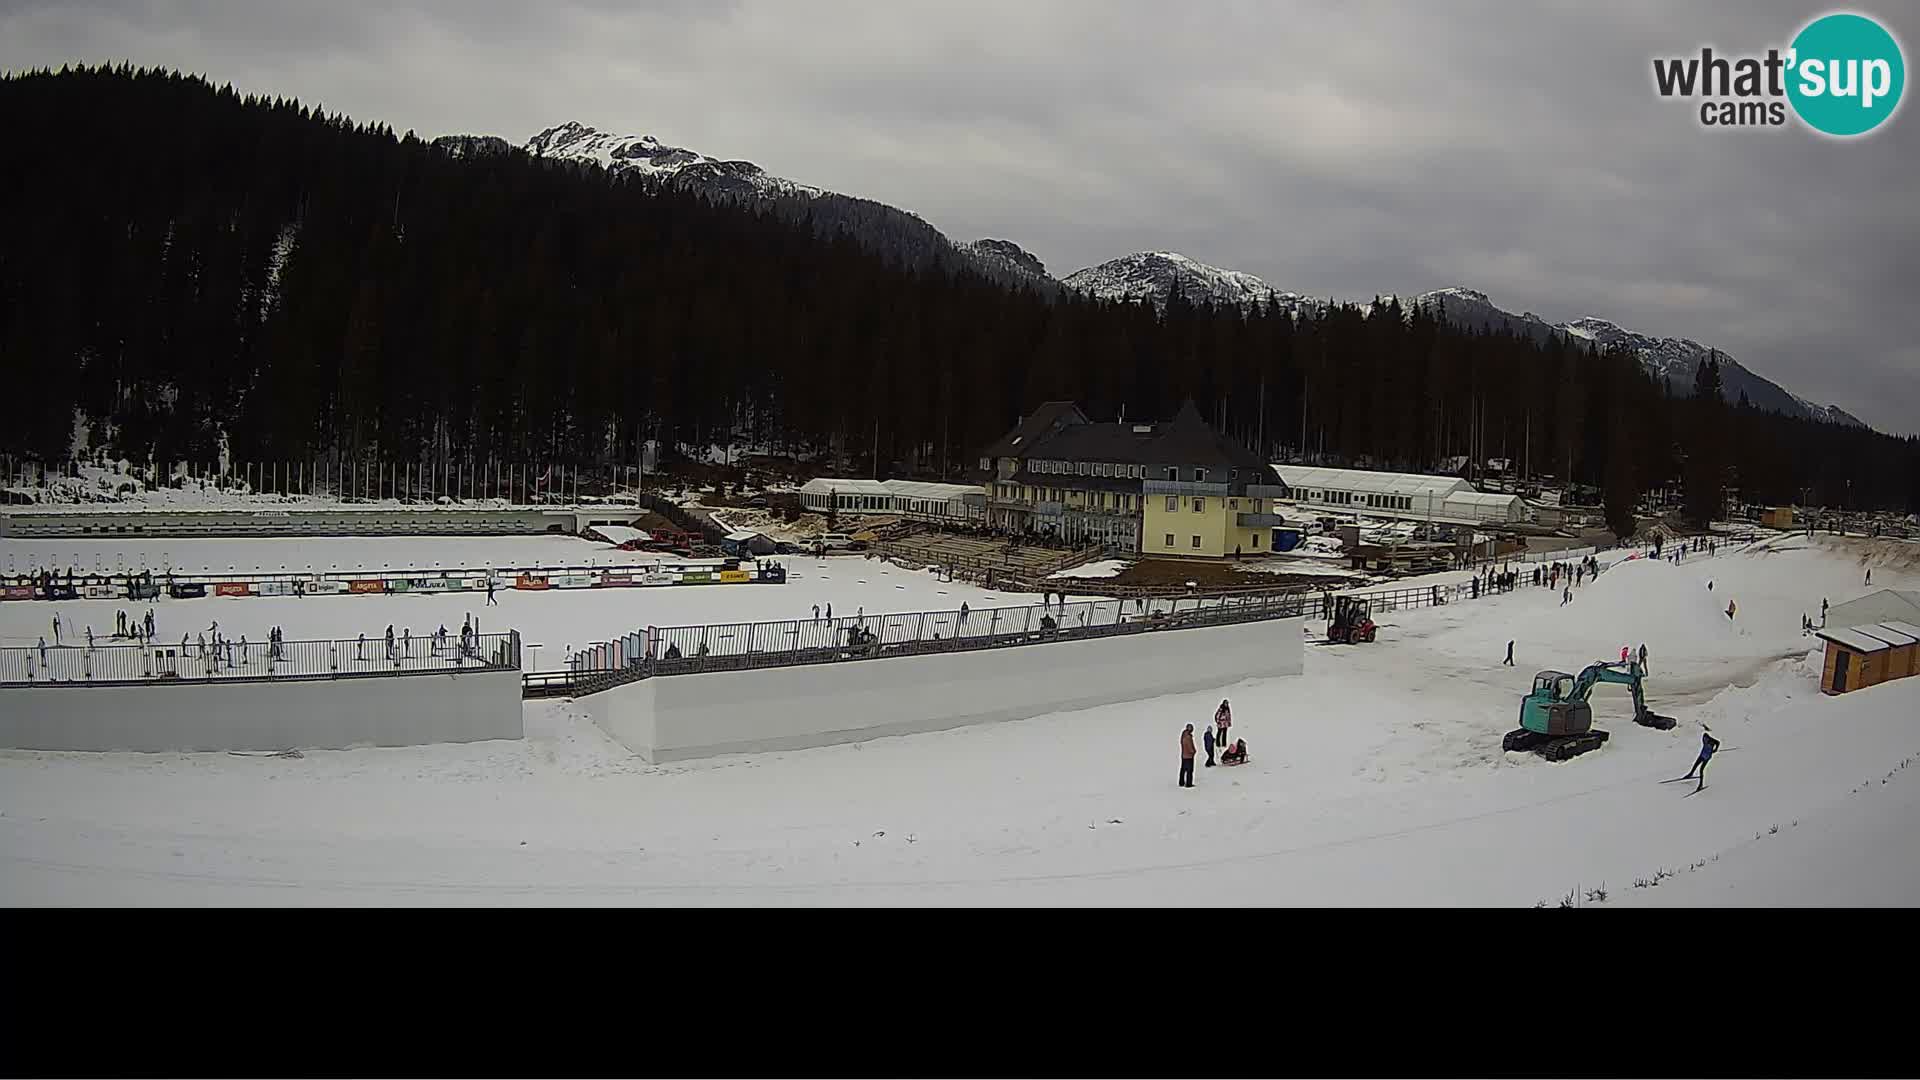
pixel 1231 752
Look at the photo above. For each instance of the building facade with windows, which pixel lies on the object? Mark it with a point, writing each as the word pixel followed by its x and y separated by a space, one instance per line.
pixel 1059 474
pixel 1409 496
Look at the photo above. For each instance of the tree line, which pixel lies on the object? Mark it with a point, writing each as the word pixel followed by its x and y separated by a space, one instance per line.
pixel 189 269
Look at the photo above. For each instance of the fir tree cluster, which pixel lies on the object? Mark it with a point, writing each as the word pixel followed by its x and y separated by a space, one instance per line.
pixel 183 265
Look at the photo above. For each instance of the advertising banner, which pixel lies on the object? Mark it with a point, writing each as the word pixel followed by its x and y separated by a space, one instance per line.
pixel 232 588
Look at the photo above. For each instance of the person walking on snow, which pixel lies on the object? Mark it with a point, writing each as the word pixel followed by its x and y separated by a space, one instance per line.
pixel 56 628
pixel 1730 607
pixel 1223 719
pixel 490 597
pixel 43 652
pixel 1566 597
pixel 1624 653
pixel 1869 580
pixel 1509 660
pixel 1186 757
pixel 1643 658
pixel 1823 613
pixel 816 613
pixel 1708 744
pixel 1206 740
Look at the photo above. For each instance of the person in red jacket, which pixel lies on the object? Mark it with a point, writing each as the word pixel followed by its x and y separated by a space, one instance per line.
pixel 1186 757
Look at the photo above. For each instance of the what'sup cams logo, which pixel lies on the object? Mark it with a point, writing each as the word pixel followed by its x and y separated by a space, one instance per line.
pixel 1842 76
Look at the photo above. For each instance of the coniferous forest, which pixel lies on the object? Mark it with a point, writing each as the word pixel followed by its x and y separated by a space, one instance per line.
pixel 181 265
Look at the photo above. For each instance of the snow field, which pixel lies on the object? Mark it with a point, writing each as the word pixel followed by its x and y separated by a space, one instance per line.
pixel 1376 778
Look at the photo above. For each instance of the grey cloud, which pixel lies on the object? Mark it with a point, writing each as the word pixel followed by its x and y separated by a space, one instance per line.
pixel 1337 150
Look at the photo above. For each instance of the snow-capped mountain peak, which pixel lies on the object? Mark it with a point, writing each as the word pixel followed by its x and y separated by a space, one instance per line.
pixel 1153 275
pixel 645 155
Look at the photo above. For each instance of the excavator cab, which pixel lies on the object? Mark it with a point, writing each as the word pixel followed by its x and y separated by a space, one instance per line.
pixel 1555 721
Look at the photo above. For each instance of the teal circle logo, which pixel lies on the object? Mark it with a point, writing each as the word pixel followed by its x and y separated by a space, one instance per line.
pixel 1846 76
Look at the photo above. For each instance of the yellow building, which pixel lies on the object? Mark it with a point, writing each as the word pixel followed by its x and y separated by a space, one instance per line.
pixel 1208 520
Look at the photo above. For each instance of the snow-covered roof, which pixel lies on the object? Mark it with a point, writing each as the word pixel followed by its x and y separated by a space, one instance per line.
pixel 743 534
pixel 1314 477
pixel 1904 627
pixel 1853 639
pixel 910 489
pixel 620 534
pixel 1888 634
pixel 1482 498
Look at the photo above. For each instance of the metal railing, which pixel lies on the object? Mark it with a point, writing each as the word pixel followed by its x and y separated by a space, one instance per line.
pixel 688 650
pixel 235 661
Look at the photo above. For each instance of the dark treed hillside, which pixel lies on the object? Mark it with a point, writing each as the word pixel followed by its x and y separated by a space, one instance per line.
pixel 179 262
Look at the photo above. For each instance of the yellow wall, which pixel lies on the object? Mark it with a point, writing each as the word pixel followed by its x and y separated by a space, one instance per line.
pixel 1215 524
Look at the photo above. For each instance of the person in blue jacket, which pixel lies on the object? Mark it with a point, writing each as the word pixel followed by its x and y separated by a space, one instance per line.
pixel 1708 744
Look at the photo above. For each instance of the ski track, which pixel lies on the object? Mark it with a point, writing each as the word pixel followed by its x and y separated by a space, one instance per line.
pixel 1376 779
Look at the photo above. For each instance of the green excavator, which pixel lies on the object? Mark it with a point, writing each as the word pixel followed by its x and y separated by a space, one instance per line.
pixel 1557 723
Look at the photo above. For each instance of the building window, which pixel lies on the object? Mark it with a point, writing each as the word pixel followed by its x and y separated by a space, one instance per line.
pixel 1233 504
pixel 1256 539
pixel 1199 476
pixel 1173 503
pixel 1196 541
pixel 1082 468
pixel 985 464
pixel 1173 473
pixel 1199 506
pixel 1169 542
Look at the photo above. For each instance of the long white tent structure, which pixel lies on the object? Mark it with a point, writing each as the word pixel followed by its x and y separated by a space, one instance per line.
pixel 1399 495
pixel 950 502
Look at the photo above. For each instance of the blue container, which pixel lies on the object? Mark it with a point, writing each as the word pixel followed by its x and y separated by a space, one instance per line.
pixel 1286 539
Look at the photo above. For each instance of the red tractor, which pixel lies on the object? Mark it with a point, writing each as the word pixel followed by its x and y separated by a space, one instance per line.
pixel 1350 624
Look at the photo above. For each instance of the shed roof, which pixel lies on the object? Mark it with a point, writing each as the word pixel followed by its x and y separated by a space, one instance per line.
pixel 743 534
pixel 1482 498
pixel 912 489
pixel 1904 627
pixel 1885 632
pixel 1853 639
pixel 1902 605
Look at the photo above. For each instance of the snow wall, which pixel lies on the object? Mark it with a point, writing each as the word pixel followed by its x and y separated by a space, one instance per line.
pixel 281 714
pixel 677 717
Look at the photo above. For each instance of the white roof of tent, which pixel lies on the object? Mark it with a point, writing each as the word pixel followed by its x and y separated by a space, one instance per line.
pixel 1313 477
pixel 1482 498
pixel 911 489
pixel 743 534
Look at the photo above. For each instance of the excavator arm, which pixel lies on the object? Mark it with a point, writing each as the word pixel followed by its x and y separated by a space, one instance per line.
pixel 1628 675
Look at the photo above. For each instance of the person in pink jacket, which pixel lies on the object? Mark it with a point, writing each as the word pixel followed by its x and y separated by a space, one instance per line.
pixel 1222 719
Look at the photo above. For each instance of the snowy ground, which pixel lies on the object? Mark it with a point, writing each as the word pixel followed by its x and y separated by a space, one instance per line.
pixel 1376 778
pixel 553 618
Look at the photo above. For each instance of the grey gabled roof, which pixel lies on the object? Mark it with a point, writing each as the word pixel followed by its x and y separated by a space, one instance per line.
pixel 1049 418
pixel 1184 440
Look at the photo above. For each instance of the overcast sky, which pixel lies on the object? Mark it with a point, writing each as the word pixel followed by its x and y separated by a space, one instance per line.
pixel 1337 149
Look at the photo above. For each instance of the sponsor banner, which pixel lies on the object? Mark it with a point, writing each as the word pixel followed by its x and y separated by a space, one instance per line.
pixel 366 586
pixel 273 588
pixel 735 576
pixel 528 581
pixel 438 585
pixel 659 577
pixel 321 588
pixel 695 577
pixel 399 585
pixel 232 588
pixel 573 581
pixel 99 592
pixel 16 592
pixel 611 580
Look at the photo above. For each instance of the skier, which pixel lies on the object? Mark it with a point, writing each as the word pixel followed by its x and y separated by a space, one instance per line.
pixel 1730 607
pixel 1566 597
pixel 1708 744
pixel 1869 580
pixel 56 628
pixel 1206 741
pixel 1223 719
pixel 1186 757
pixel 1509 660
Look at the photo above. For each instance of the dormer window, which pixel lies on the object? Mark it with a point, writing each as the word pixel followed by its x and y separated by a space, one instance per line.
pixel 1199 476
